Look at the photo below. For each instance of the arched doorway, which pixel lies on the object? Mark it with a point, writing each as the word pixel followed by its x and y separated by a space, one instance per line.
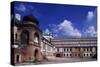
pixel 24 37
pixel 36 54
pixel 58 55
pixel 18 58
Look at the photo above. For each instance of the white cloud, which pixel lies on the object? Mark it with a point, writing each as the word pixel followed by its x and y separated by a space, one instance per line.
pixel 18 16
pixel 90 15
pixel 90 27
pixel 67 28
pixel 91 32
pixel 21 7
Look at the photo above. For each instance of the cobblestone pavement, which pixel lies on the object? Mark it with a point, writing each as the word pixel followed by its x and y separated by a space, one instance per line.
pixel 52 60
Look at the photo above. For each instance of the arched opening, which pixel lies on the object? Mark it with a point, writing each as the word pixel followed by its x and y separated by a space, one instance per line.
pixel 16 36
pixel 58 55
pixel 36 54
pixel 24 37
pixel 36 38
pixel 18 57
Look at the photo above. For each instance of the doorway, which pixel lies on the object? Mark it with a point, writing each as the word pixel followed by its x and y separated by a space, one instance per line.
pixel 58 55
pixel 36 54
pixel 17 58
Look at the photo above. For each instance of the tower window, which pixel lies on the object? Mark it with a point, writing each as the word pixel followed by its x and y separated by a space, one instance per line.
pixel 36 38
pixel 24 37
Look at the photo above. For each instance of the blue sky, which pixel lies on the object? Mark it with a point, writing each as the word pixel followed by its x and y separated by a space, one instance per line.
pixel 61 20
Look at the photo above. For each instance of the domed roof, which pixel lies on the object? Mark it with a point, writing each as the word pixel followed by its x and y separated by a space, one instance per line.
pixel 30 18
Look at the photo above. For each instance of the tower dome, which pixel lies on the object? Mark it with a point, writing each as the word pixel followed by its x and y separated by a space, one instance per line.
pixel 30 18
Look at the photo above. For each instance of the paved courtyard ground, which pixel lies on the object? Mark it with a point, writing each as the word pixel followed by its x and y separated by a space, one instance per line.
pixel 52 60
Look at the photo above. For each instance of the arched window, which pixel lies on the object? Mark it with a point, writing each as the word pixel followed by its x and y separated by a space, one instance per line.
pixel 25 37
pixel 16 36
pixel 36 38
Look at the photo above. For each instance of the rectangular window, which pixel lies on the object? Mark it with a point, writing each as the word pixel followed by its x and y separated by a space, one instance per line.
pixel 64 49
pixel 70 54
pixel 57 49
pixel 67 54
pixel 84 49
pixel 84 54
pixel 87 49
pixel 90 49
pixel 68 49
pixel 90 54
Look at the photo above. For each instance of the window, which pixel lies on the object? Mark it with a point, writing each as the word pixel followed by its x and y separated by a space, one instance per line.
pixel 24 37
pixel 36 38
pixel 64 49
pixel 67 54
pixel 87 49
pixel 18 58
pixel 90 54
pixel 90 49
pixel 84 54
pixel 84 49
pixel 70 49
pixel 57 49
pixel 70 54
pixel 75 54
pixel 16 36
